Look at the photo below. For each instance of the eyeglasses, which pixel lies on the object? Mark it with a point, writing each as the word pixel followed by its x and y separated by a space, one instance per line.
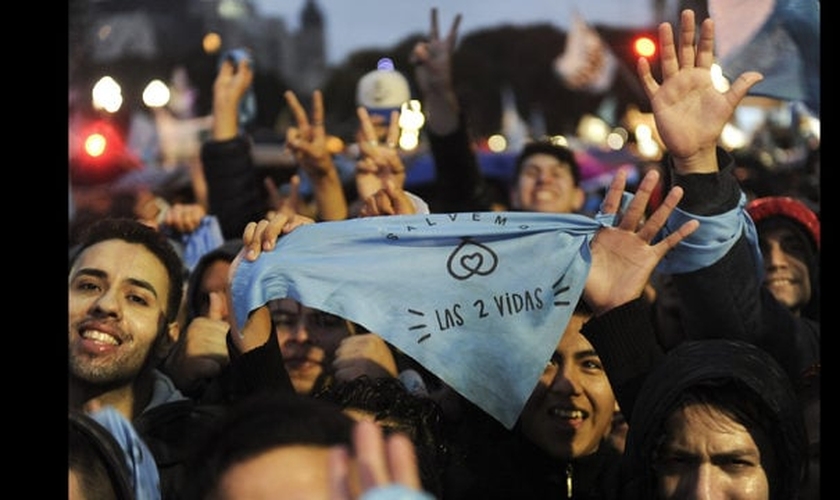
pixel 315 319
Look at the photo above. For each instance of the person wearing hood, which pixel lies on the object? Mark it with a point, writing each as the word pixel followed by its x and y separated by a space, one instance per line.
pixel 789 238
pixel 711 416
pixel 716 415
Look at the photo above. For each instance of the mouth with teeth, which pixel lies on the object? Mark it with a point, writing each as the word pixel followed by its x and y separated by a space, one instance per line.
pixel 780 281
pixel 96 340
pixel 544 195
pixel 568 413
pixel 100 337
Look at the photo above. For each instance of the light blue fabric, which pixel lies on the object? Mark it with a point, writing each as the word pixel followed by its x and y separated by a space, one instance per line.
pixel 206 237
pixel 145 479
pixel 479 299
pixel 711 241
pixel 395 492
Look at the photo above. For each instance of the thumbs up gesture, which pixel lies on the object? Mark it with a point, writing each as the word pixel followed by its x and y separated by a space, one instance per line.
pixel 202 352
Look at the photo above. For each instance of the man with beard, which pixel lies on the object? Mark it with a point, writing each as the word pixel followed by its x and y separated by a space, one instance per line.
pixel 124 293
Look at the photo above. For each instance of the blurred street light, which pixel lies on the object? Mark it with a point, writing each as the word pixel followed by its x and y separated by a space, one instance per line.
pixel 156 94
pixel 107 95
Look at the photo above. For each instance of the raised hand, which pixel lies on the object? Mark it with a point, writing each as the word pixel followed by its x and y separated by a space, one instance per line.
pixel 390 200
pixel 290 203
pixel 229 87
pixel 262 236
pixel 308 140
pixel 259 237
pixel 623 257
pixel 203 351
pixel 690 112
pixel 309 144
pixel 377 463
pixel 183 217
pixel 379 161
pixel 432 60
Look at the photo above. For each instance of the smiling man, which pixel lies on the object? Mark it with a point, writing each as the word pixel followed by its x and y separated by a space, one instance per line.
pixel 570 413
pixel 547 180
pixel 124 292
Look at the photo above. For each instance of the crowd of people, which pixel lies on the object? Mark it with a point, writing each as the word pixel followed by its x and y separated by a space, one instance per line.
pixel 686 363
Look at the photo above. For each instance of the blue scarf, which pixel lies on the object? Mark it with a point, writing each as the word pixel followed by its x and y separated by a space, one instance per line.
pixel 479 299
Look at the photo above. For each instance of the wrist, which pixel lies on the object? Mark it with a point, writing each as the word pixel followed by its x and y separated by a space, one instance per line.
pixel 704 161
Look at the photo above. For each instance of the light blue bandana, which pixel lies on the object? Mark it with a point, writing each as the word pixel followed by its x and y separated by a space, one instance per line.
pixel 479 299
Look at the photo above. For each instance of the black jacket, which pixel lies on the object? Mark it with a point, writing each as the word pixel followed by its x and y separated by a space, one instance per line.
pixel 235 191
pixel 490 462
pixel 727 299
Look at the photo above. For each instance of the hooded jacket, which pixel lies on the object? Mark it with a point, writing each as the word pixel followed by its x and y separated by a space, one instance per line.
pixel 717 363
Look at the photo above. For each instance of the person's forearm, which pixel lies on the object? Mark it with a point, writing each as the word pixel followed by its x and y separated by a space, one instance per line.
pixel 234 191
pixel 441 110
pixel 225 122
pixel 708 193
pixel 329 197
pixel 703 161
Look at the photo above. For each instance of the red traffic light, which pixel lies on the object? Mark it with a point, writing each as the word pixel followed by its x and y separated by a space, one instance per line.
pixel 644 46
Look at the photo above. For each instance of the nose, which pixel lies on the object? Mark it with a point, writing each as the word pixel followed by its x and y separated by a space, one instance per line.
pixel 774 256
pixel 701 484
pixel 108 303
pixel 300 332
pixel 565 381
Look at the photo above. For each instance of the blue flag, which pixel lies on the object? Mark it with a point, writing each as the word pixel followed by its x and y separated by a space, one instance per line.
pixel 785 48
pixel 479 299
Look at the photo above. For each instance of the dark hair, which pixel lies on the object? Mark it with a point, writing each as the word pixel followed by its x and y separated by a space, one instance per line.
pixel 256 424
pixel 97 459
pixel 197 299
pixel 132 231
pixel 562 153
pixel 397 410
